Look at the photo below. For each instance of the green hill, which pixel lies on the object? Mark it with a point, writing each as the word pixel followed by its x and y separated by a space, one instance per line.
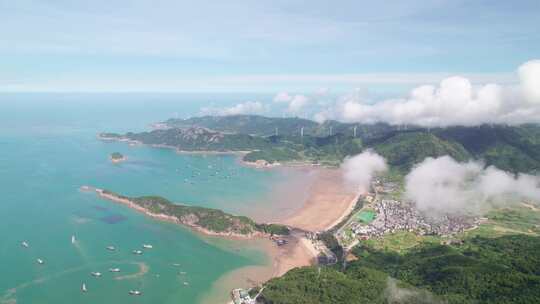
pixel 511 148
pixel 248 124
pixel 482 270
pixel 514 149
pixel 212 220
pixel 405 149
pixel 197 139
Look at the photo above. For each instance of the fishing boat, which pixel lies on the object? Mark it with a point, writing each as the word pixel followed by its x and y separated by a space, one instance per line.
pixel 147 246
pixel 135 293
pixel 186 284
pixel 95 274
pixel 25 244
pixel 72 239
pixel 83 287
pixel 139 252
pixel 40 261
pixel 111 248
pixel 114 269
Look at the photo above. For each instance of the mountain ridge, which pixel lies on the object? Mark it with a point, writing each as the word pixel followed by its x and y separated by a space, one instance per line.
pixel 511 148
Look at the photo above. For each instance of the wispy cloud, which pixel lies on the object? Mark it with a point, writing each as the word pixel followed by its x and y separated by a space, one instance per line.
pixel 259 46
pixel 248 82
pixel 248 107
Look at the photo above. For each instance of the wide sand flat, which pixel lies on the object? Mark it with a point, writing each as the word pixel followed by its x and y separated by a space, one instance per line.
pixel 329 200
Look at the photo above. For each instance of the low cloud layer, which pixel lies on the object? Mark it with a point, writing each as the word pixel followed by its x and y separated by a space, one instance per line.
pixel 295 103
pixel 360 169
pixel 455 101
pixel 248 107
pixel 442 185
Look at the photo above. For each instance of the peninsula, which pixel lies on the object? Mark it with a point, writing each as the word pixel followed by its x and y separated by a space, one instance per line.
pixel 205 220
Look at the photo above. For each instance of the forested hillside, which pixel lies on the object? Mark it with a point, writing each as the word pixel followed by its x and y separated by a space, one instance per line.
pixel 511 148
pixel 481 270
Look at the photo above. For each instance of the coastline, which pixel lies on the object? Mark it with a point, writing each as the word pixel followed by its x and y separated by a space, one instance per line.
pixel 280 259
pixel 328 201
pixel 239 153
pixel 168 218
pixel 118 160
pixel 132 142
pixel 300 251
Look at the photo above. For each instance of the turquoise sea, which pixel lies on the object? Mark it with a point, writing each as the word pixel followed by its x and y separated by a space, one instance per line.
pixel 48 149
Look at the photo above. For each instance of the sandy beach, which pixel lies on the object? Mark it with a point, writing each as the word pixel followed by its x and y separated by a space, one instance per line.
pixel 296 253
pixel 326 201
pixel 329 201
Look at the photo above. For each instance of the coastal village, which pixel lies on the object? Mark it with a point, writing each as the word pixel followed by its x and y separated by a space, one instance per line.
pixel 379 213
pixel 383 214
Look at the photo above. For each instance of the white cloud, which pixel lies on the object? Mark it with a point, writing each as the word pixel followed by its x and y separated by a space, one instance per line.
pixel 248 107
pixel 322 92
pixel 283 97
pixel 297 103
pixel 249 82
pixel 360 169
pixel 455 101
pixel 442 185
pixel 529 74
pixel 320 117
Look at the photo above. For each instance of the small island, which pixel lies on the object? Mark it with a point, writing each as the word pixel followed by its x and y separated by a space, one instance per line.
pixel 117 157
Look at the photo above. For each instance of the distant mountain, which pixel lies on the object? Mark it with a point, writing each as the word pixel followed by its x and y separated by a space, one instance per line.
pixel 286 126
pixel 248 124
pixel 511 148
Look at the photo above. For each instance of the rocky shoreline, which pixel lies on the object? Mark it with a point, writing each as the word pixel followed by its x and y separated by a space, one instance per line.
pixel 169 218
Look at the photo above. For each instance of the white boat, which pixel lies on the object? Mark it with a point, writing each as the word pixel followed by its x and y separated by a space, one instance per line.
pixel 83 288
pixel 147 246
pixel 114 269
pixel 186 284
pixel 176 265
pixel 95 274
pixel 25 244
pixel 111 248
pixel 72 239
pixel 135 293
pixel 137 252
pixel 40 261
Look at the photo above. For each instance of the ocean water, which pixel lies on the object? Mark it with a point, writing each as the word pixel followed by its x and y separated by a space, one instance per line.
pixel 48 149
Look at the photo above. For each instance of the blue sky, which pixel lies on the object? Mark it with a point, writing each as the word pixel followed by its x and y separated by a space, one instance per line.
pixel 260 46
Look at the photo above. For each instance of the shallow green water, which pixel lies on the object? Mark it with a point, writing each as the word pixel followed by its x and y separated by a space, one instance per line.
pixel 48 149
